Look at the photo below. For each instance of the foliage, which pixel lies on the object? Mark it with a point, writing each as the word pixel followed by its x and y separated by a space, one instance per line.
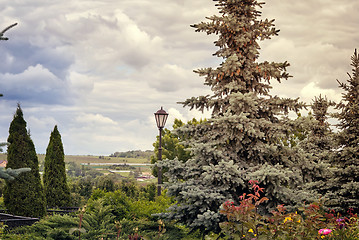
pixel 5 38
pixel 81 180
pixel 144 209
pixel 241 140
pixel 107 182
pixel 316 149
pixel 153 230
pixel 24 195
pixel 124 206
pixel 133 154
pixel 10 174
pixel 102 218
pixel 119 202
pixel 97 220
pixel 310 222
pixel 76 170
pixel 55 184
pixel 149 192
pixel 2 145
pixel 344 191
pixel 173 145
pixel 80 190
pixel 50 227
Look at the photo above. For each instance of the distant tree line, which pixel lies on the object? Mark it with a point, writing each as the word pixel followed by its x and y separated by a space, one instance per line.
pixel 133 154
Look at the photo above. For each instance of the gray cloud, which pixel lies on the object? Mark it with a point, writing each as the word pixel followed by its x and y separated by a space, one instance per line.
pixel 100 69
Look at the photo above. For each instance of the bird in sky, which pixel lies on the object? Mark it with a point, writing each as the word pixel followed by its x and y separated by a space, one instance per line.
pixel 3 31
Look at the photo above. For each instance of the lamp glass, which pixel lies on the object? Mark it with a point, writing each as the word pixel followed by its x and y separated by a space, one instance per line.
pixel 161 118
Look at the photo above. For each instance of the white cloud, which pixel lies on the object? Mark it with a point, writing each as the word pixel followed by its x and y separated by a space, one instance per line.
pixel 94 120
pixel 312 90
pixel 100 69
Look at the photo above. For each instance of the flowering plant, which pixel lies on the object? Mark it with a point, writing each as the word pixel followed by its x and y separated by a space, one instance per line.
pixel 324 231
pixel 312 222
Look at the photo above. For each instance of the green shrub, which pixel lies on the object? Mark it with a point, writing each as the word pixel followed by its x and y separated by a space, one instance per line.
pixel 47 228
pixel 146 209
pixel 118 201
pixel 310 222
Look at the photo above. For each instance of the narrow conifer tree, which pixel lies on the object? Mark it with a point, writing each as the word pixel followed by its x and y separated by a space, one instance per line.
pixel 316 149
pixel 344 193
pixel 241 140
pixel 56 189
pixel 25 195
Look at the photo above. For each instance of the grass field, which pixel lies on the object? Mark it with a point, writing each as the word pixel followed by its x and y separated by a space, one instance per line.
pixel 95 159
pixel 91 159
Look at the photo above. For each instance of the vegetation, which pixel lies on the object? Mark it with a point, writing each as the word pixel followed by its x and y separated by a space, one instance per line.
pixel 6 38
pixel 241 139
pixel 133 154
pixel 25 195
pixel 124 212
pixel 344 192
pixel 316 149
pixel 173 144
pixel 209 163
pixel 55 184
pixel 1 146
pixel 309 222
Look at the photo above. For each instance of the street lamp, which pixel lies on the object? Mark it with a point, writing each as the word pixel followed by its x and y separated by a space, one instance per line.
pixel 161 117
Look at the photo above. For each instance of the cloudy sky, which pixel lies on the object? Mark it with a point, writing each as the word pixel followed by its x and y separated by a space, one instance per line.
pixel 99 69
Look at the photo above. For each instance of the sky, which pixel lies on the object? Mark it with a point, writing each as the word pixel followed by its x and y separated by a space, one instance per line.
pixel 99 69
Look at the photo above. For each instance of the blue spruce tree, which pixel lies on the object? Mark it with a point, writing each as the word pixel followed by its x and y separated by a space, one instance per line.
pixel 241 140
pixel 344 192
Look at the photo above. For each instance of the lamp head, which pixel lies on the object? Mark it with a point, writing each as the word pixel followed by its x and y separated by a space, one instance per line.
pixel 161 118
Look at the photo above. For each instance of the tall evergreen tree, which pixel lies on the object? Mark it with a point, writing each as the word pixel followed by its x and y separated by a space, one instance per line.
pixel 345 191
pixel 241 140
pixel 55 184
pixel 24 195
pixel 317 147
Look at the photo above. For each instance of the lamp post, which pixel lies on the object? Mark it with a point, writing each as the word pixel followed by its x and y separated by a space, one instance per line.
pixel 161 117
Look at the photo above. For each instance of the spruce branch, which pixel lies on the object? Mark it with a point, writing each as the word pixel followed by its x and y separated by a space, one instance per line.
pixel 10 174
pixel 6 29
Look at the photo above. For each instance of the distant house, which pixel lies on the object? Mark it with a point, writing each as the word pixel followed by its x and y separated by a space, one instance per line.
pixel 3 163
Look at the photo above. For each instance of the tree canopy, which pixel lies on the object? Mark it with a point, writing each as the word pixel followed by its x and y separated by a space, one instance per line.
pixel 55 184
pixel 25 195
pixel 344 192
pixel 241 140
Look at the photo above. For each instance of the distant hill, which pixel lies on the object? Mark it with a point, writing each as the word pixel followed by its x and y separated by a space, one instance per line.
pixel 133 154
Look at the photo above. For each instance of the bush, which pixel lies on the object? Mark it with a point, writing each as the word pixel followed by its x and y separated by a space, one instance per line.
pixel 310 222
pixel 146 209
pixel 118 201
pixel 51 227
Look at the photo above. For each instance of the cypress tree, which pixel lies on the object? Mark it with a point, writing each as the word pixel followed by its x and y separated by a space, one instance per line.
pixel 56 189
pixel 241 140
pixel 25 195
pixel 344 193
